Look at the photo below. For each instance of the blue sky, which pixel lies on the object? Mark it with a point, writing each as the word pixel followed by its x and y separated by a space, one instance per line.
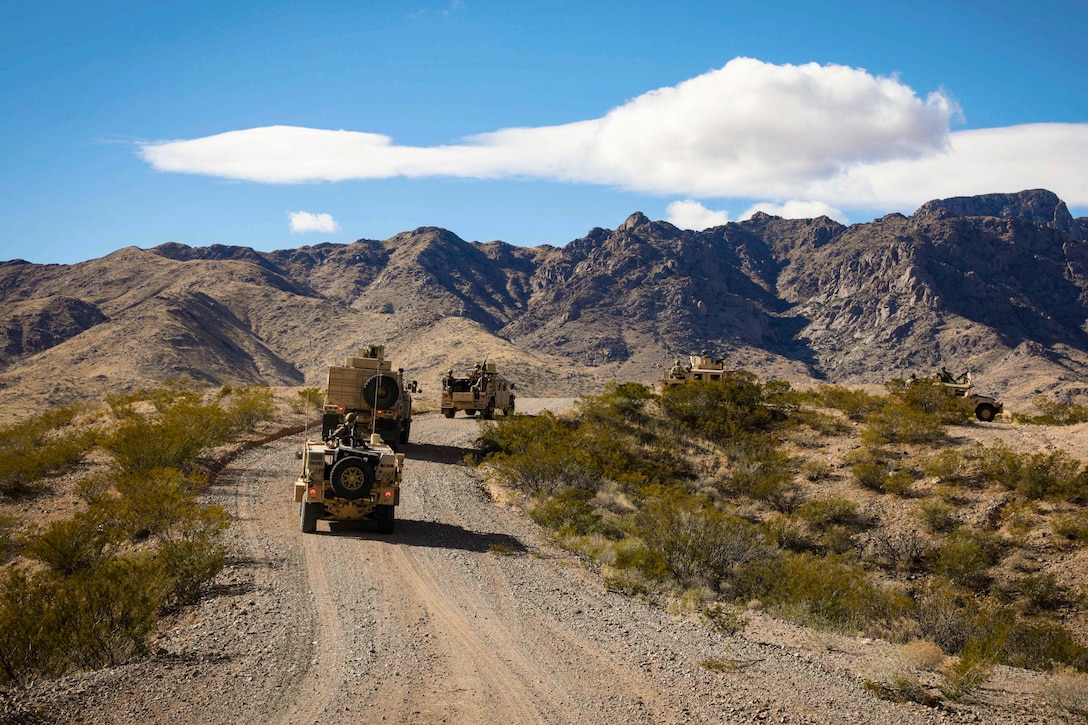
pixel 280 124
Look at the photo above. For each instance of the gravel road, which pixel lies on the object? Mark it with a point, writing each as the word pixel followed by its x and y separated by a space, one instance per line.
pixel 465 615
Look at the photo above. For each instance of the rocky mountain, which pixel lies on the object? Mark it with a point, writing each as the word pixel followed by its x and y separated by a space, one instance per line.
pixel 995 283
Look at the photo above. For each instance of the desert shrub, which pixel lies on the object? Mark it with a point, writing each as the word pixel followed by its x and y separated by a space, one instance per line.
pixel 946 614
pixel 108 611
pixel 1072 527
pixel 1038 592
pixel 833 511
pixel 68 546
pixel 721 410
pixel 899 422
pixel 38 446
pixel 568 512
pixel 896 552
pixel 99 616
pixel 621 402
pixel 965 557
pixel 869 474
pixel 154 503
pixel 760 470
pixel 245 407
pixel 188 565
pixel 699 543
pixel 816 471
pixel 924 396
pixel 8 525
pixel 1053 412
pixel 821 590
pixel 948 466
pixel 1054 475
pixel 937 515
pixel 856 404
pixel 172 439
pixel 309 399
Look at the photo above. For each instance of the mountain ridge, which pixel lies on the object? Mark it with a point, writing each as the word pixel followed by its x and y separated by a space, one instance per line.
pixel 996 283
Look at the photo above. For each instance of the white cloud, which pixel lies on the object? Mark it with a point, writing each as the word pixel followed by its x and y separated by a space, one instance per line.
pixel 749 130
pixel 796 210
pixel 692 215
pixel 304 221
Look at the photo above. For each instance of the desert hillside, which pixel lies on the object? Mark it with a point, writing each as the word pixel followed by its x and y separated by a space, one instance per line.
pixel 997 284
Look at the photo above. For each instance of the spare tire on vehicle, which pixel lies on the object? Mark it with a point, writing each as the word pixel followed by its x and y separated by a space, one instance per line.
pixel 351 478
pixel 381 391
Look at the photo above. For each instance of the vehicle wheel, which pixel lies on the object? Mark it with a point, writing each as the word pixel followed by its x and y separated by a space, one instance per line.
pixel 508 411
pixel 386 519
pixel 470 413
pixel 985 413
pixel 489 411
pixel 311 512
pixel 405 431
pixel 351 478
pixel 449 412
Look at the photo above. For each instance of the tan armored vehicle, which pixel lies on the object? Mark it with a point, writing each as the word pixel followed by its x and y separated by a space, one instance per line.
pixel 347 479
pixel 984 407
pixel 698 367
pixel 481 390
pixel 368 386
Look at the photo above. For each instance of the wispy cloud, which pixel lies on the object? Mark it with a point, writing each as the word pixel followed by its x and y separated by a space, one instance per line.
pixel 304 221
pixel 825 134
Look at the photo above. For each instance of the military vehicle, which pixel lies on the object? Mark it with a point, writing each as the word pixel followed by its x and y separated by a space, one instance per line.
pixel 698 367
pixel 480 390
pixel 368 386
pixel 984 407
pixel 346 479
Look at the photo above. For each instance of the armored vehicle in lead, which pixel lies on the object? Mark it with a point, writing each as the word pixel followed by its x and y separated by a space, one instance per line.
pixel 480 390
pixel 368 386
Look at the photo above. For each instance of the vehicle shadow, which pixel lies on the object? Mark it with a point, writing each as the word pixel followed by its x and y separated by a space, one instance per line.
pixel 429 534
pixel 435 453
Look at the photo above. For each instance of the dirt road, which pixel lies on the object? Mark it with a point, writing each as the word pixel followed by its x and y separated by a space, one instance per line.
pixel 463 615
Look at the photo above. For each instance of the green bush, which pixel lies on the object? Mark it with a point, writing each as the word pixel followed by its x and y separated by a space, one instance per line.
pixel 1054 475
pixel 309 399
pixel 68 546
pixel 926 396
pixel 1053 412
pixel 856 404
pixel 248 406
pixel 760 470
pixel 568 512
pixel 39 446
pixel 899 422
pixel 965 557
pixel 826 591
pixel 833 511
pixel 721 411
pixel 938 516
pixel 699 543
pixel 173 439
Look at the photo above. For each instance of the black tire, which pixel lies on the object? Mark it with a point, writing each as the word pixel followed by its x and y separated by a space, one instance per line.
pixel 985 412
pixel 470 413
pixel 449 412
pixel 351 478
pixel 405 430
pixel 489 411
pixel 381 391
pixel 385 518
pixel 311 512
